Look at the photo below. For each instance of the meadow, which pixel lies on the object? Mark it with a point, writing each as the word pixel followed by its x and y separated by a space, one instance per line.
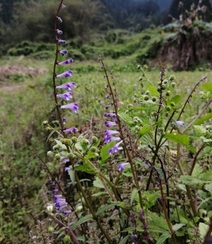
pixel 26 101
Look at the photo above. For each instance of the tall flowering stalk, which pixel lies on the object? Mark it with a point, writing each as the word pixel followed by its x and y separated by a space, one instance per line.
pixel 66 95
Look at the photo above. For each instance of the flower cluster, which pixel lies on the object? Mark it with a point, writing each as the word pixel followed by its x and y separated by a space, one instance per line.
pixel 66 95
pixel 60 203
pixel 112 135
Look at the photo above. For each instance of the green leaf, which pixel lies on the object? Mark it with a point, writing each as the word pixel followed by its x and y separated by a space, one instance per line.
pixel 197 171
pixel 176 227
pixel 133 195
pixel 124 240
pixel 191 181
pixel 104 208
pixel 86 167
pixel 207 176
pixel 126 118
pixel 207 87
pixel 145 129
pixel 203 119
pixel 163 237
pixel 203 228
pixel 152 90
pixel 104 150
pixel 200 129
pixel 180 139
pixel 98 183
pixel 82 220
pixel 176 99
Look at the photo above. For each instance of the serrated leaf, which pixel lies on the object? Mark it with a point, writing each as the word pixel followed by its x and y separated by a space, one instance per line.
pixel 98 183
pixel 152 90
pixel 126 118
pixel 203 119
pixel 191 181
pixel 176 99
pixel 163 237
pixel 82 220
pixel 197 171
pixel 203 228
pixel 200 129
pixel 104 150
pixel 180 139
pixel 145 129
pixel 124 240
pixel 207 176
pixel 176 227
pixel 133 195
pixel 86 167
pixel 104 208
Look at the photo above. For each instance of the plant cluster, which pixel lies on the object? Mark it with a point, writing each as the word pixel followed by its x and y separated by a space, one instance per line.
pixel 144 176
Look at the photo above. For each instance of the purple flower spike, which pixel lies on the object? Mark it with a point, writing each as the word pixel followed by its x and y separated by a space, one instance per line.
pixel 65 96
pixel 59 32
pixel 116 148
pixel 59 19
pixel 68 61
pixel 67 86
pixel 110 123
pixel 72 106
pixel 70 130
pixel 122 166
pixel 60 41
pixel 181 123
pixel 111 132
pixel 65 74
pixel 111 115
pixel 63 52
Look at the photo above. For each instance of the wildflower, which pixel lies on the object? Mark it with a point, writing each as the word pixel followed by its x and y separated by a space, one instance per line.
pixel 122 166
pixel 63 52
pixel 64 120
pixel 68 61
pixel 67 86
pixel 108 136
pixel 59 19
pixel 70 130
pixel 181 123
pixel 65 74
pixel 110 115
pixel 59 202
pixel 60 41
pixel 72 106
pixel 110 123
pixel 64 160
pixel 67 168
pixel 65 96
pixel 59 32
pixel 116 148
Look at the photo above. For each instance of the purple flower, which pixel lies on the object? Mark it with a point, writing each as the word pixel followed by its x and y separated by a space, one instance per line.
pixel 63 6
pixel 64 160
pixel 181 123
pixel 65 74
pixel 70 130
pixel 59 202
pixel 67 211
pixel 67 168
pixel 63 52
pixel 110 115
pixel 110 123
pixel 65 96
pixel 60 41
pixel 72 106
pixel 64 119
pixel 116 148
pixel 68 61
pixel 59 19
pixel 67 86
pixel 109 138
pixel 59 32
pixel 122 166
